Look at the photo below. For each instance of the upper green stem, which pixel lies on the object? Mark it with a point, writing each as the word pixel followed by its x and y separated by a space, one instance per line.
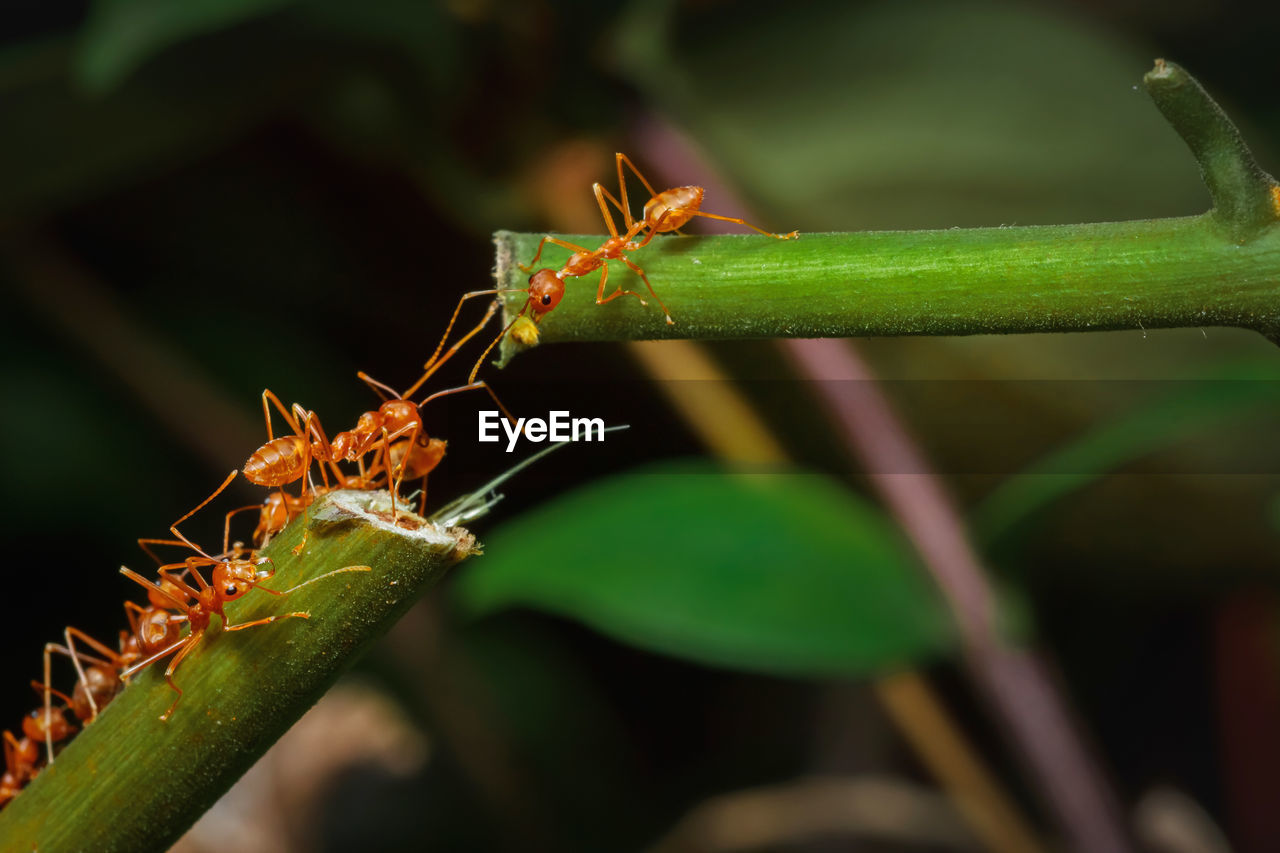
pixel 1126 275
pixel 1218 269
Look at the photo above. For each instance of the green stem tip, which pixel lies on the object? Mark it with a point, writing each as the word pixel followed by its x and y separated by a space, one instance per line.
pixel 1218 269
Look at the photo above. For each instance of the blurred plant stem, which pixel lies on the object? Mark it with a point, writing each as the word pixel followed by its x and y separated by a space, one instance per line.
pixel 1013 681
pixel 78 304
pixel 1221 268
pixel 728 424
pixel 132 782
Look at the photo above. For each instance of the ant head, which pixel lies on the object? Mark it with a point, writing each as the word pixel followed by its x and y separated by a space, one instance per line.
pixel 344 443
pixel 545 290
pixel 398 414
pixel 99 683
pixel 234 578
pixel 35 724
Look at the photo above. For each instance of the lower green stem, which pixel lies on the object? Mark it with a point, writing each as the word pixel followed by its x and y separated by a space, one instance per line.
pixel 130 782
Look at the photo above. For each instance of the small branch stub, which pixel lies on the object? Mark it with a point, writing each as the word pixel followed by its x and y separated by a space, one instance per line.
pixel 1246 200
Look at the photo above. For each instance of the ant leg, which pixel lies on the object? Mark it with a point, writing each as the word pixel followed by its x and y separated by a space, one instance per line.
pixel 268 395
pixel 654 229
pixel 475 368
pixel 413 443
pixel 635 269
pixel 788 236
pixel 70 634
pixel 386 464
pixel 452 320
pixel 437 361
pixel 620 159
pixel 48 701
pixel 305 479
pixel 174 527
pixel 166 574
pixel 602 299
pixel 318 435
pixel 178 604
pixel 555 241
pixel 191 641
pixel 600 193
pixel 163 653
pixel 314 435
pixel 626 214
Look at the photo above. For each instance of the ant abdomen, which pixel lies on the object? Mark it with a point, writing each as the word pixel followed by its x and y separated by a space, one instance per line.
pixel 670 209
pixel 278 462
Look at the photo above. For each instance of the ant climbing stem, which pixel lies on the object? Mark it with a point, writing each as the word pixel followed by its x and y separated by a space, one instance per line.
pixel 282 460
pixel 229 580
pixel 664 212
pixel 398 418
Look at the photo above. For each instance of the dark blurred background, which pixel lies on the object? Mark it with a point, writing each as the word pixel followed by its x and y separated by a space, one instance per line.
pixel 205 199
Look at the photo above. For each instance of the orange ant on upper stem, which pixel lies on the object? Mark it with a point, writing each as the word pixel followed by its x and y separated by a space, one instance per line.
pixel 666 211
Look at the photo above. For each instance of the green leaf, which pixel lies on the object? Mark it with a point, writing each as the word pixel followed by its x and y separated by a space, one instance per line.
pixel 786 573
pixel 1152 426
pixel 122 34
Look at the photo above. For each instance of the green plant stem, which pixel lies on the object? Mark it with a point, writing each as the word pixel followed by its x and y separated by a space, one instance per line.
pixel 130 782
pixel 1221 268
pixel 1068 278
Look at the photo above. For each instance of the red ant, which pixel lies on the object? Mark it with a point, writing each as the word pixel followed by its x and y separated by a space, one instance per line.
pixel 22 756
pixel 669 210
pixel 230 579
pixel 283 460
pixel 21 761
pixel 151 629
pixel 666 211
pixel 288 458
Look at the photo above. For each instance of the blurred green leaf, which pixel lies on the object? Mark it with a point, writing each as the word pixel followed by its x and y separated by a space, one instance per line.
pixel 912 115
pixel 122 34
pixel 1153 426
pixel 781 573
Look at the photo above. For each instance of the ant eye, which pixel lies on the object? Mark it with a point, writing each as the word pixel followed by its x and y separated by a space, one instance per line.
pixel 546 299
pixel 230 590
